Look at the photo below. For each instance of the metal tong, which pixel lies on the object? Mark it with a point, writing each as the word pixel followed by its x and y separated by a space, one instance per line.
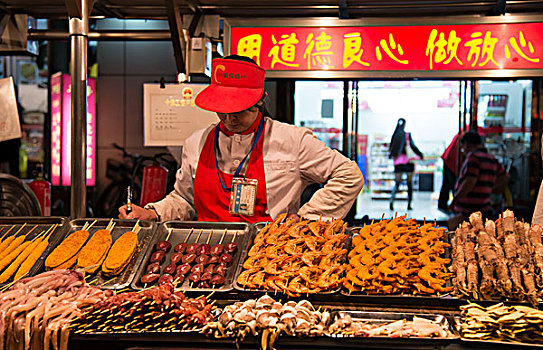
pixel 128 200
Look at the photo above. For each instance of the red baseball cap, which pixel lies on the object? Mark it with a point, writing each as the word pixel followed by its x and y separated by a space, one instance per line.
pixel 235 86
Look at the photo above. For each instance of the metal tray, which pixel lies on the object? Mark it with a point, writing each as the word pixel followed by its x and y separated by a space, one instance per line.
pixel 121 226
pixel 457 319
pixel 386 317
pixel 258 226
pixel 43 224
pixel 447 298
pixel 180 230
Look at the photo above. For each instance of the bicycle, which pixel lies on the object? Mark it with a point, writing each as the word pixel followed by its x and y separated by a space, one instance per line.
pixel 130 173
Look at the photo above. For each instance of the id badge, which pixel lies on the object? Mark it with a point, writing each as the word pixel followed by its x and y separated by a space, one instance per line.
pixel 243 196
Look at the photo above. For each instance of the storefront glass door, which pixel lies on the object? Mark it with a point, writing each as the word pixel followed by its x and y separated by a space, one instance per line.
pixel 504 118
pixel 435 112
pixel 319 107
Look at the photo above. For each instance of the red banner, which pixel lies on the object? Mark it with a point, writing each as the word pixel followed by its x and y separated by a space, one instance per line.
pixel 432 47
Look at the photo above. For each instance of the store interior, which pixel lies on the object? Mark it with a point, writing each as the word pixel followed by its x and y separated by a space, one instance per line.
pixel 434 113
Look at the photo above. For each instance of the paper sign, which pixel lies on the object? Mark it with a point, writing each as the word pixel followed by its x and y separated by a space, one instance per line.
pixel 170 114
pixel 10 127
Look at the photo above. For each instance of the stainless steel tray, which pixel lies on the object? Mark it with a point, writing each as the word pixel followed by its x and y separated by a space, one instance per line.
pixel 43 224
pixel 181 229
pixel 124 279
pixel 398 297
pixel 258 226
pixel 386 317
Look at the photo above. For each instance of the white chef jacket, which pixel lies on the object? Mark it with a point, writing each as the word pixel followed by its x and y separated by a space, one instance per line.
pixel 293 159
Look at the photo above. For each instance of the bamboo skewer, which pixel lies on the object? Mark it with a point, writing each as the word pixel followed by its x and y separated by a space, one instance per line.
pixel 5 234
pixel 106 282
pixel 222 237
pixel 136 229
pixel 7 286
pixel 187 237
pixel 31 230
pixel 169 233
pixel 199 234
pixel 19 230
pixel 94 222
pixel 209 236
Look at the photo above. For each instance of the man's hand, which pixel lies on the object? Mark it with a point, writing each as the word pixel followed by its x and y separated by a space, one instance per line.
pixel 292 216
pixel 137 213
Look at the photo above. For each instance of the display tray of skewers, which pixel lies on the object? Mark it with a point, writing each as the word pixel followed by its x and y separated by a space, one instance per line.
pixel 386 325
pixel 25 242
pixel 109 250
pixel 500 324
pixel 295 257
pixel 398 258
pixel 161 308
pixel 498 260
pixel 195 256
pixel 268 319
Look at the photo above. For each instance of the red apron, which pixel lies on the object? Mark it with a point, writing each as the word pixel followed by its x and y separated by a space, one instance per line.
pixel 211 200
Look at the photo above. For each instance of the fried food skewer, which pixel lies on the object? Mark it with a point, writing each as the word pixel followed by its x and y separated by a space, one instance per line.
pixel 95 251
pixel 66 253
pixel 14 246
pixel 121 252
pixel 31 247
pixel 35 254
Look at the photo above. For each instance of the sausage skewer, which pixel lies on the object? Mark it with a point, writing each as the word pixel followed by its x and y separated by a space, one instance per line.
pixel 181 247
pixel 193 247
pixel 165 245
pixel 205 248
pixel 231 247
pixel 219 248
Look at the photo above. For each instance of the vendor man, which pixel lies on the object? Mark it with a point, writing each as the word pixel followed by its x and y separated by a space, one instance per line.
pixel 480 176
pixel 249 167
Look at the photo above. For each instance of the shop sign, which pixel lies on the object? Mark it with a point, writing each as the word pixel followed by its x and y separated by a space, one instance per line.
pixel 423 48
pixel 61 130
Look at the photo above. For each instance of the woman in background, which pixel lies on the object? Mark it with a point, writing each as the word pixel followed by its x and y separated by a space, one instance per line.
pixel 399 144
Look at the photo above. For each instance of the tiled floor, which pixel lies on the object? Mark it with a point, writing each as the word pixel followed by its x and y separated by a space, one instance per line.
pixel 424 207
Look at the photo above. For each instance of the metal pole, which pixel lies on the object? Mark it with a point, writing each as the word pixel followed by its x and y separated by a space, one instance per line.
pixel 103 35
pixel 345 129
pixel 78 37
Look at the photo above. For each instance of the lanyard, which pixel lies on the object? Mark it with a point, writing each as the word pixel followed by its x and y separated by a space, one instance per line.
pixel 238 170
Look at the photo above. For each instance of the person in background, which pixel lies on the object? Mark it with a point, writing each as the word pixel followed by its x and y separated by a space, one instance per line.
pixel 400 142
pixel 538 210
pixel 450 172
pixel 480 175
pixel 249 167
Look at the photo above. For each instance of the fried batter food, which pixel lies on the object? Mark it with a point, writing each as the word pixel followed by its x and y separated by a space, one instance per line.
pixel 67 249
pixel 20 256
pixel 120 254
pixel 68 264
pixel 397 256
pixel 95 251
pixel 34 255
pixel 296 257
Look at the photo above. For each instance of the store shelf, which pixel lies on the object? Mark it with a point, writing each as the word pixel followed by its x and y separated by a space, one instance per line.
pixel 382 172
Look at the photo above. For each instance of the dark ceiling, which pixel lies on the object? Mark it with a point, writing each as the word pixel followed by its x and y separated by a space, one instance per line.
pixel 156 9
